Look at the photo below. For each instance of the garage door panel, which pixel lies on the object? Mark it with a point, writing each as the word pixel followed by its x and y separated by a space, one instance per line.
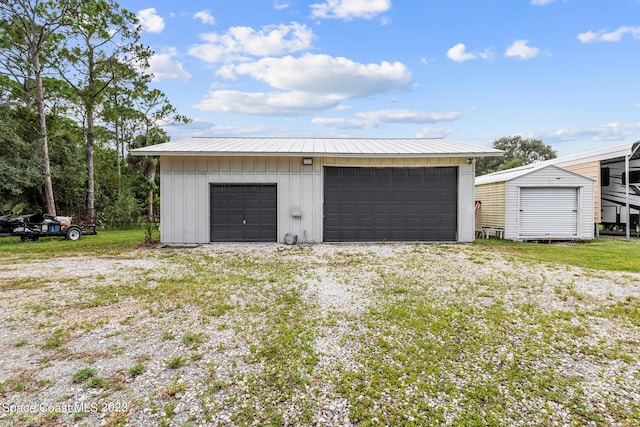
pixel 397 204
pixel 548 211
pixel 243 212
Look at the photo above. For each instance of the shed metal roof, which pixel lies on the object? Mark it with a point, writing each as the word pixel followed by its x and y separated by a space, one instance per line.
pixel 603 154
pixel 509 174
pixel 343 147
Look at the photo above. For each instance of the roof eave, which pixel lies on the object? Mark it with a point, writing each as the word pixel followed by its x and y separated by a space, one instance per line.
pixel 141 152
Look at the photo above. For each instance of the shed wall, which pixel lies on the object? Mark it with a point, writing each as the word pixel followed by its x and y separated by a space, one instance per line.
pixel 591 170
pixel 491 213
pixel 550 177
pixel 184 191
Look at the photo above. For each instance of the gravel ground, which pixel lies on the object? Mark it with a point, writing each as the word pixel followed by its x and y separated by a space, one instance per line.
pixel 203 326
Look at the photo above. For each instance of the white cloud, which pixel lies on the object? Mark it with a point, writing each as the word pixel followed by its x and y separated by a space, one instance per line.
pixel 614 131
pixel 521 49
pixel 205 17
pixel 458 53
pixel 340 123
pixel 242 42
pixel 434 133
pixel 266 103
pixel 279 6
pixel 373 119
pixel 408 116
pixel 487 54
pixel 336 78
pixel 151 22
pixel 349 9
pixel 541 2
pixel 307 84
pixel 163 67
pixel 613 36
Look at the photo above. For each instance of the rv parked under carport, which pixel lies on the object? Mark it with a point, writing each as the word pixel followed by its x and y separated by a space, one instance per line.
pixel 316 189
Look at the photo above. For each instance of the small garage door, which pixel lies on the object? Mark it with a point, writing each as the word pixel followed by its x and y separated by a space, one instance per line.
pixel 548 212
pixel 243 213
pixel 390 204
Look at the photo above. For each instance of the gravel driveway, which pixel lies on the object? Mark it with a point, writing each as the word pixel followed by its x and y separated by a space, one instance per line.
pixel 332 335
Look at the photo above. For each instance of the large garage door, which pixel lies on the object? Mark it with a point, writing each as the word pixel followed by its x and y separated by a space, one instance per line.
pixel 243 213
pixel 548 212
pixel 390 204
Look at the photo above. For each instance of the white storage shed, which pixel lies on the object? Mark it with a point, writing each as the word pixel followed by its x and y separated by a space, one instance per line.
pixel 536 203
pixel 318 189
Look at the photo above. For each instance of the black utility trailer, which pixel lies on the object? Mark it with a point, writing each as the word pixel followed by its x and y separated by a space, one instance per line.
pixel 32 227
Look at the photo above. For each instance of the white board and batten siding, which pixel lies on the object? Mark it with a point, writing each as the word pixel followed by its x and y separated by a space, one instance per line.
pixel 549 203
pixel 185 183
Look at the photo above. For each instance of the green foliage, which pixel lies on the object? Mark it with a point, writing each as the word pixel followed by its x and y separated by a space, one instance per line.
pixel 124 213
pixel 91 55
pixel 517 152
pixel 150 232
pixel 137 369
pixel 20 158
pixel 83 375
pixel 176 362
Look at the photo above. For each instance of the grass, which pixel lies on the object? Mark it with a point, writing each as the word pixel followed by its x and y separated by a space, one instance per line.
pixel 136 370
pixel 176 362
pixel 105 242
pixel 604 254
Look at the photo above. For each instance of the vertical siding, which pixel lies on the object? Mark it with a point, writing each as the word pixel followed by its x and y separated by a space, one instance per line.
pixel 491 213
pixel 591 170
pixel 551 177
pixel 184 191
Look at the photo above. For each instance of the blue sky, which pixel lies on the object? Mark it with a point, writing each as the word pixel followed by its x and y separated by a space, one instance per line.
pixel 564 71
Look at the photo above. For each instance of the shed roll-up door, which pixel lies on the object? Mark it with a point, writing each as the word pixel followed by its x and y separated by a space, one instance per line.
pixel 390 204
pixel 548 212
pixel 243 212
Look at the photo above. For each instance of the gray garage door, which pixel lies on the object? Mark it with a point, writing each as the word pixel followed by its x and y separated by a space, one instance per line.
pixel 243 213
pixel 390 204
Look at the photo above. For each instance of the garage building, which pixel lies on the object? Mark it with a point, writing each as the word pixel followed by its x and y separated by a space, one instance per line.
pixel 536 203
pixel 317 189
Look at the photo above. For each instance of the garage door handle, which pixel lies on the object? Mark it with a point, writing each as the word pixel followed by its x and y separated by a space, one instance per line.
pixel 244 221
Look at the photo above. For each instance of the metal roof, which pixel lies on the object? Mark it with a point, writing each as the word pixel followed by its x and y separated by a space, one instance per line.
pixel 509 174
pixel 343 147
pixel 609 153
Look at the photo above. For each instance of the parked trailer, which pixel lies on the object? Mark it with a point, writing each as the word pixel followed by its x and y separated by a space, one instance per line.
pixel 613 194
pixel 32 227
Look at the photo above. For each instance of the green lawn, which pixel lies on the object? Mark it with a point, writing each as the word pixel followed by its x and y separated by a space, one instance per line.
pixel 604 254
pixel 105 242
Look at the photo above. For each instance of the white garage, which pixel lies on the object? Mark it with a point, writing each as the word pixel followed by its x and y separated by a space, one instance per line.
pixel 317 189
pixel 546 203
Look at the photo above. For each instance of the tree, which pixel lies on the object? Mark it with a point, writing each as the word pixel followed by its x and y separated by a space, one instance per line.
pixel 154 111
pixel 517 152
pixel 28 28
pixel 103 39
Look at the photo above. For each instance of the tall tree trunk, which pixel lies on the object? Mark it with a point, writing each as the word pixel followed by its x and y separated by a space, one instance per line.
pixel 150 204
pixel 42 122
pixel 118 160
pixel 151 178
pixel 91 211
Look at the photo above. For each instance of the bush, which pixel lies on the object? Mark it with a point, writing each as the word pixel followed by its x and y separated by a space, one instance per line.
pixel 124 213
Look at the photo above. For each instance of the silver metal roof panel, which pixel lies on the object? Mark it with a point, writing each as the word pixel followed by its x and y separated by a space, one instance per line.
pixel 344 147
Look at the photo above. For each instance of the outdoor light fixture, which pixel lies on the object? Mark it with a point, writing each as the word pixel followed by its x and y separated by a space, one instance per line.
pixel 307 161
pixel 469 161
